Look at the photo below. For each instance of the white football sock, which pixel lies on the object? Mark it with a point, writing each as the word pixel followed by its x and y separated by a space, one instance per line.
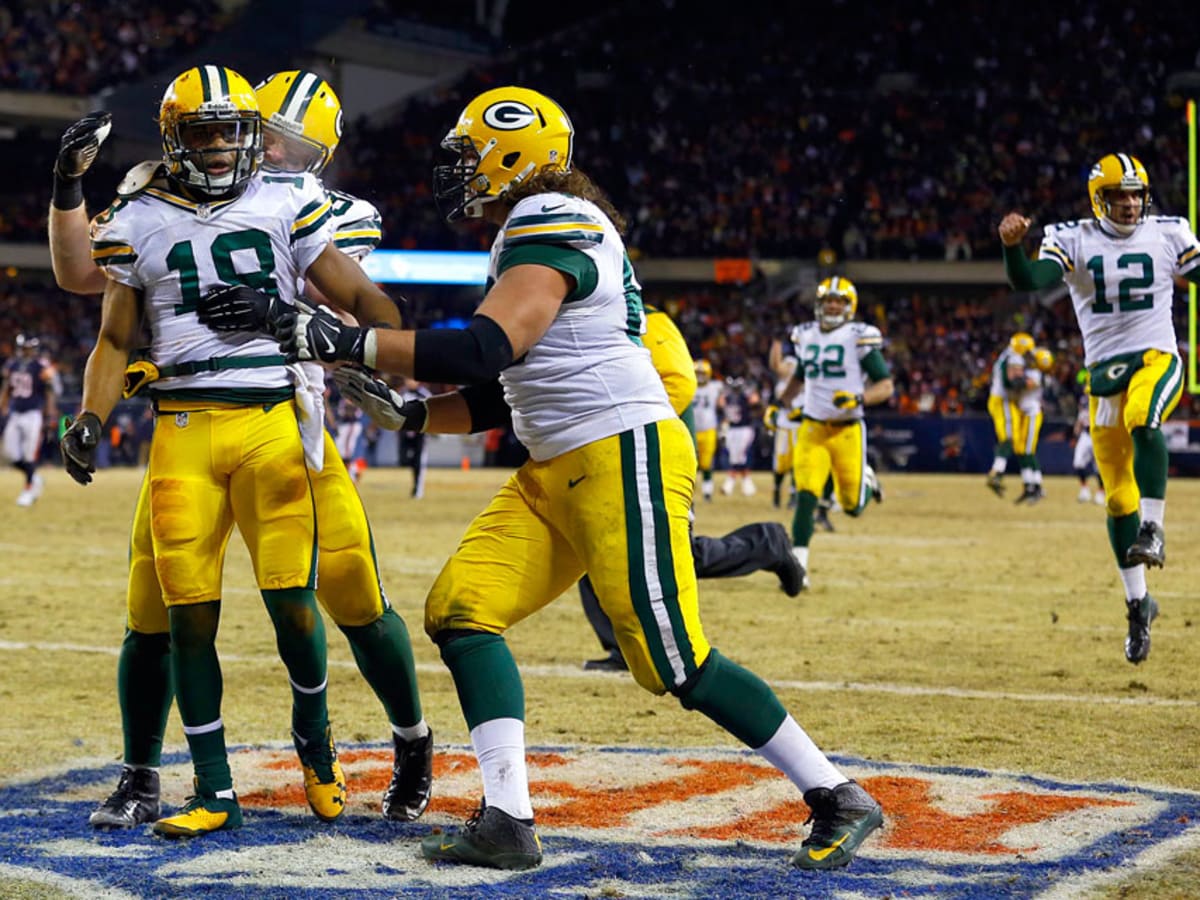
pixel 793 753
pixel 1134 579
pixel 801 554
pixel 1153 510
pixel 500 748
pixel 411 732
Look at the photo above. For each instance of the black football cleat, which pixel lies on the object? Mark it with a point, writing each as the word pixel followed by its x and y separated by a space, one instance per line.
pixel 491 838
pixel 1140 614
pixel 1149 547
pixel 412 779
pixel 134 802
pixel 842 818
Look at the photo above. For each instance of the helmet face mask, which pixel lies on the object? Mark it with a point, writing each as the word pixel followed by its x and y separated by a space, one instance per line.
pixel 302 121
pixel 503 137
pixel 1119 191
pixel 211 131
pixel 284 152
pixel 842 296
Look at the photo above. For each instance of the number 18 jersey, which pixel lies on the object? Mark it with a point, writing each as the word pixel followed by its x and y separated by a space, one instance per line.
pixel 1123 287
pixel 175 251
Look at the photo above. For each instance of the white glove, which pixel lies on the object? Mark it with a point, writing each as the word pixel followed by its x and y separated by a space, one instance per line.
pixel 385 407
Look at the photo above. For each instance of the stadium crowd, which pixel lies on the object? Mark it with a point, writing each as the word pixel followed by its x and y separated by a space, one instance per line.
pixel 68 47
pixel 908 139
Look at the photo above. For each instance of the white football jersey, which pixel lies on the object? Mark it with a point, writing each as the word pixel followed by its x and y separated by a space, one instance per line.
pixel 175 251
pixel 357 230
pixel 357 225
pixel 1006 364
pixel 704 405
pixel 831 361
pixel 1030 400
pixel 1123 287
pixel 589 376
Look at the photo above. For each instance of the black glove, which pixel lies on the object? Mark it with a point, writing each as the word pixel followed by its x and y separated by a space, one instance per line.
pixel 76 152
pixel 79 443
pixel 385 407
pixel 320 336
pixel 235 307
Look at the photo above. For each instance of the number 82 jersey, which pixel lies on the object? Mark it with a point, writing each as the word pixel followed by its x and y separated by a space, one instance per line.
pixel 835 361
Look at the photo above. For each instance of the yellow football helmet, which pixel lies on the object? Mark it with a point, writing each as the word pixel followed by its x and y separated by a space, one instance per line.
pixel 1121 172
pixel 703 371
pixel 1043 359
pixel 836 287
pixel 303 109
pixel 206 114
pixel 504 136
pixel 1022 342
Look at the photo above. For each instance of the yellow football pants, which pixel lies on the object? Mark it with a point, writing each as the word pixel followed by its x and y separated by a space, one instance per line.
pixel 837 447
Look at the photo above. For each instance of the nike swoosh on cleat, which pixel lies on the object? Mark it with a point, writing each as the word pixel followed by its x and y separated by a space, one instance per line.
pixel 821 854
pixel 446 846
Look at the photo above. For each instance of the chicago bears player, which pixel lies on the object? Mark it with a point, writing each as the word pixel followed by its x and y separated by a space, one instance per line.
pixel 29 399
pixel 1119 267
pixel 301 130
pixel 557 342
pixel 836 358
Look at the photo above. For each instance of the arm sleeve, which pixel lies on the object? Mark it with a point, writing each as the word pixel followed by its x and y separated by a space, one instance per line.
pixel 875 366
pixel 1025 275
pixel 487 405
pixel 476 354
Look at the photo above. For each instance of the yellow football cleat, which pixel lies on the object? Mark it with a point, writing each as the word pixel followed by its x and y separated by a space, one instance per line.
pixel 324 781
pixel 201 814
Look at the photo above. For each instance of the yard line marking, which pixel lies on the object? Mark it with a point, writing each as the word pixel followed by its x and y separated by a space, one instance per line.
pixel 551 671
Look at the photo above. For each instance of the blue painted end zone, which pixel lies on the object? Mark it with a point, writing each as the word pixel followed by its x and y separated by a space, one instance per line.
pixel 40 833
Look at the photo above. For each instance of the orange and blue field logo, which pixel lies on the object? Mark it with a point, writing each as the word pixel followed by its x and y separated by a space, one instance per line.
pixel 614 822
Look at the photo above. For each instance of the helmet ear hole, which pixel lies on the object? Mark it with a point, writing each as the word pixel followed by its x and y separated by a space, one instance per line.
pixel 510 159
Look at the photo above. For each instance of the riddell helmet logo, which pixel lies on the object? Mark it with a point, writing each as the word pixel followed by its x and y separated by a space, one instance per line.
pixel 691 822
pixel 509 115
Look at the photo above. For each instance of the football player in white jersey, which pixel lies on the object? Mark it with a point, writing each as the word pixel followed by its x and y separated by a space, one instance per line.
pixel 836 358
pixel 608 488
pixel 706 409
pixel 784 423
pixel 1029 404
pixel 202 220
pixel 301 130
pixel 1008 381
pixel 1119 267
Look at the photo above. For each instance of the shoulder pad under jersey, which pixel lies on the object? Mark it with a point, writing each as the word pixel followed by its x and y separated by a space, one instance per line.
pixel 140 177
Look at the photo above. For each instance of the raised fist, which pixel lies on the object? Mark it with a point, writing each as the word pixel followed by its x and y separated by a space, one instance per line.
pixel 1013 228
pixel 80 144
